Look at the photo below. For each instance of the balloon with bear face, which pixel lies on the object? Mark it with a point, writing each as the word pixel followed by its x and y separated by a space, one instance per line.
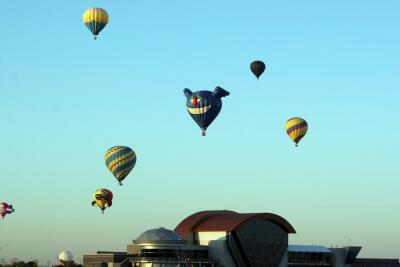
pixel 102 198
pixel 204 106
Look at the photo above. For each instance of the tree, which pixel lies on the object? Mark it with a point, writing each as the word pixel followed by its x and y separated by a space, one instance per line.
pixel 31 263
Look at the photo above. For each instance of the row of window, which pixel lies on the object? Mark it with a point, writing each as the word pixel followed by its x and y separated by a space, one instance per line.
pixel 173 253
pixel 308 257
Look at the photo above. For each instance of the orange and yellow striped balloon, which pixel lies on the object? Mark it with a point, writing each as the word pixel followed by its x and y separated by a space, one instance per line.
pixel 296 128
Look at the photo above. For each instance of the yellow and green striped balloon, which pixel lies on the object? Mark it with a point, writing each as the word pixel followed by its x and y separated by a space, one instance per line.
pixel 296 128
pixel 95 19
pixel 120 160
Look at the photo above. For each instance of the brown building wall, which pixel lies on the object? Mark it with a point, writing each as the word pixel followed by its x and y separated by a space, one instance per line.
pixel 376 263
pixel 103 260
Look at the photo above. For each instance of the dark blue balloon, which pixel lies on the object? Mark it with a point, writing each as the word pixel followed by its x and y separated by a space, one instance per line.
pixel 204 106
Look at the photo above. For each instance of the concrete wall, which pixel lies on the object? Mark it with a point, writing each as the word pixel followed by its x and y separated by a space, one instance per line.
pixel 262 243
pixel 103 260
pixel 205 237
pixel 339 257
pixel 219 252
pixel 284 262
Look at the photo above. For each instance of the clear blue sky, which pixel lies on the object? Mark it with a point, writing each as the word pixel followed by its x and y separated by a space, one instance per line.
pixel 65 99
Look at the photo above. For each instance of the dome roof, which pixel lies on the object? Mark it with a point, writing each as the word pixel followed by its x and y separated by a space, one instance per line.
pixel 160 234
pixel 227 221
pixel 65 256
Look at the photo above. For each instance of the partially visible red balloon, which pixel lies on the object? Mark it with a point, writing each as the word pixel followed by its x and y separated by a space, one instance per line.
pixel 5 209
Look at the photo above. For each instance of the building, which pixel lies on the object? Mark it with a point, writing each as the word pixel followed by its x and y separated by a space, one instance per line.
pixel 229 239
pixel 239 239
pixel 305 256
pixel 65 258
pixel 376 263
pixel 300 255
pixel 154 248
pixel 162 247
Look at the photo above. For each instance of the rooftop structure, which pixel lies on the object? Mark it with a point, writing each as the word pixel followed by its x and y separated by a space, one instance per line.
pixel 230 239
pixel 64 258
pixel 239 239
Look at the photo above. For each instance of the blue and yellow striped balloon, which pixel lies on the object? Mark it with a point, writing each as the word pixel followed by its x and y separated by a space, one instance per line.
pixel 95 19
pixel 296 128
pixel 120 160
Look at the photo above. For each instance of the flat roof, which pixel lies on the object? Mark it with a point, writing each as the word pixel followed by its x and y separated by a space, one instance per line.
pixel 306 248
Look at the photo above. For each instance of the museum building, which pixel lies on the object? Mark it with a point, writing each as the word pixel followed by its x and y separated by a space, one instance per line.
pixel 229 239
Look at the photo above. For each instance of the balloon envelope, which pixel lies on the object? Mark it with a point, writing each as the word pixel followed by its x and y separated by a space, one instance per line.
pixel 296 128
pixel 257 67
pixel 102 198
pixel 5 209
pixel 204 106
pixel 95 19
pixel 120 160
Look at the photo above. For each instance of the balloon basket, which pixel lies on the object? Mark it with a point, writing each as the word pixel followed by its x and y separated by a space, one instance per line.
pixel 120 183
pixel 95 37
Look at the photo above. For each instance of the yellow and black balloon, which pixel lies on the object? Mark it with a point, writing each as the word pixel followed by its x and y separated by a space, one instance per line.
pixel 102 198
pixel 95 19
pixel 120 160
pixel 296 128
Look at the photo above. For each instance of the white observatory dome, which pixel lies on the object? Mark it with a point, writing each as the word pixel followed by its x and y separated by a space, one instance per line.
pixel 65 256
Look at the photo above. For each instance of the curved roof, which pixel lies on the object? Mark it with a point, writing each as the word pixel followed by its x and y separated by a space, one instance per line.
pixel 226 220
pixel 159 234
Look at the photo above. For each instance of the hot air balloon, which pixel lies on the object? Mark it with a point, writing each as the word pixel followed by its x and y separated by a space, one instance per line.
pixel 204 106
pixel 95 19
pixel 102 198
pixel 5 209
pixel 120 160
pixel 257 67
pixel 296 128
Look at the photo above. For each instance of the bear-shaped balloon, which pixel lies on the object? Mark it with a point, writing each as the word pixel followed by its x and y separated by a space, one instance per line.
pixel 204 106
pixel 102 198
